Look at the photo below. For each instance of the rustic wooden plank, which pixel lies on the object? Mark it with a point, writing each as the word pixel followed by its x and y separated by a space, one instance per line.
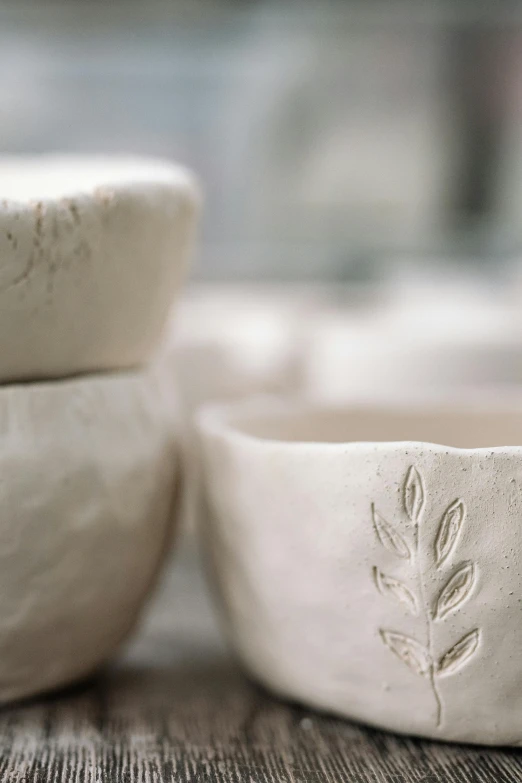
pixel 176 708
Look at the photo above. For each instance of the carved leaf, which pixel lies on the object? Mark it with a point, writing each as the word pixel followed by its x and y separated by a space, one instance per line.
pixel 455 591
pixel 460 653
pixel 413 494
pixel 392 588
pixel 410 652
pixel 449 528
pixel 390 538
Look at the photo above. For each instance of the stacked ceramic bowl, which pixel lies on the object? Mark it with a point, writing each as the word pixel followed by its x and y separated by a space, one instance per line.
pixel 92 254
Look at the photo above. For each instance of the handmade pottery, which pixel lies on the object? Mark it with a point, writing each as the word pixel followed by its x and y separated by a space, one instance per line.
pixel 227 342
pixel 413 346
pixel 88 470
pixel 92 253
pixel 368 559
pixel 230 341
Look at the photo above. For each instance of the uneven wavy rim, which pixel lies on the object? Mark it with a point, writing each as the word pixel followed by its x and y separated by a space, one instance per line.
pixel 230 421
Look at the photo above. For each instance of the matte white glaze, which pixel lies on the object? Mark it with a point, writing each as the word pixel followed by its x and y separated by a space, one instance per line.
pixel 87 491
pixel 366 570
pixel 92 253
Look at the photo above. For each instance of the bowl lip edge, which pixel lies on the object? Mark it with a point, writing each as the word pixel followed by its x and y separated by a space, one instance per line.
pixel 154 172
pixel 223 420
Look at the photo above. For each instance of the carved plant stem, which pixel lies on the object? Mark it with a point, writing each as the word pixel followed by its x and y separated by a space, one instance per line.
pixel 419 658
pixel 426 611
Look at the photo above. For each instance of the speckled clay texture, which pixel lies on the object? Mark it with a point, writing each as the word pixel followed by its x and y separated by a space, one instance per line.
pixel 367 571
pixel 88 471
pixel 92 253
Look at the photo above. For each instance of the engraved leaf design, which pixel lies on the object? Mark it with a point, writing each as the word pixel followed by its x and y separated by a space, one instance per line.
pixel 455 591
pixel 413 494
pixel 391 587
pixel 459 653
pixel 410 652
pixel 449 528
pixel 389 537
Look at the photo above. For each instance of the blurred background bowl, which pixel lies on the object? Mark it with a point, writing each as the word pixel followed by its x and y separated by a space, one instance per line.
pixel 421 338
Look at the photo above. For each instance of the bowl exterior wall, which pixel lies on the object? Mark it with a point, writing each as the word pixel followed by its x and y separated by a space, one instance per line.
pixel 86 283
pixel 382 582
pixel 86 500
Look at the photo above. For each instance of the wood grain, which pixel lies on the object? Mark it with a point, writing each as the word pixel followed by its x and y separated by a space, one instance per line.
pixel 176 708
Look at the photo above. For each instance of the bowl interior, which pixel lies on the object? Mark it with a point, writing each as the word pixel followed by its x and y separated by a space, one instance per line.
pixel 458 428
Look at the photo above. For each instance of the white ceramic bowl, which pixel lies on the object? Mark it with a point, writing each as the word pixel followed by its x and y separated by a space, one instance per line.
pixel 230 341
pixel 88 470
pixel 417 343
pixel 92 254
pixel 368 560
pixel 227 342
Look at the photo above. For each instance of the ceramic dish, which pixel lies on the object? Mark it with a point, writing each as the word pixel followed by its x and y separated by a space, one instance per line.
pixel 92 254
pixel 227 342
pixel 87 492
pixel 230 341
pixel 428 342
pixel 368 559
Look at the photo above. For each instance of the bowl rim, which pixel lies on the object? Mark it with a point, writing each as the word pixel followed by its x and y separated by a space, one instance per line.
pixel 91 177
pixel 227 420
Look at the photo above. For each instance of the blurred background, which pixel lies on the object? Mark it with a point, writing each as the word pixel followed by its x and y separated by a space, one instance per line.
pixel 362 168
pixel 335 139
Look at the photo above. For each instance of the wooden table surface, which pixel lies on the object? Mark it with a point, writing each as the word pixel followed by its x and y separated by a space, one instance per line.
pixel 175 707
